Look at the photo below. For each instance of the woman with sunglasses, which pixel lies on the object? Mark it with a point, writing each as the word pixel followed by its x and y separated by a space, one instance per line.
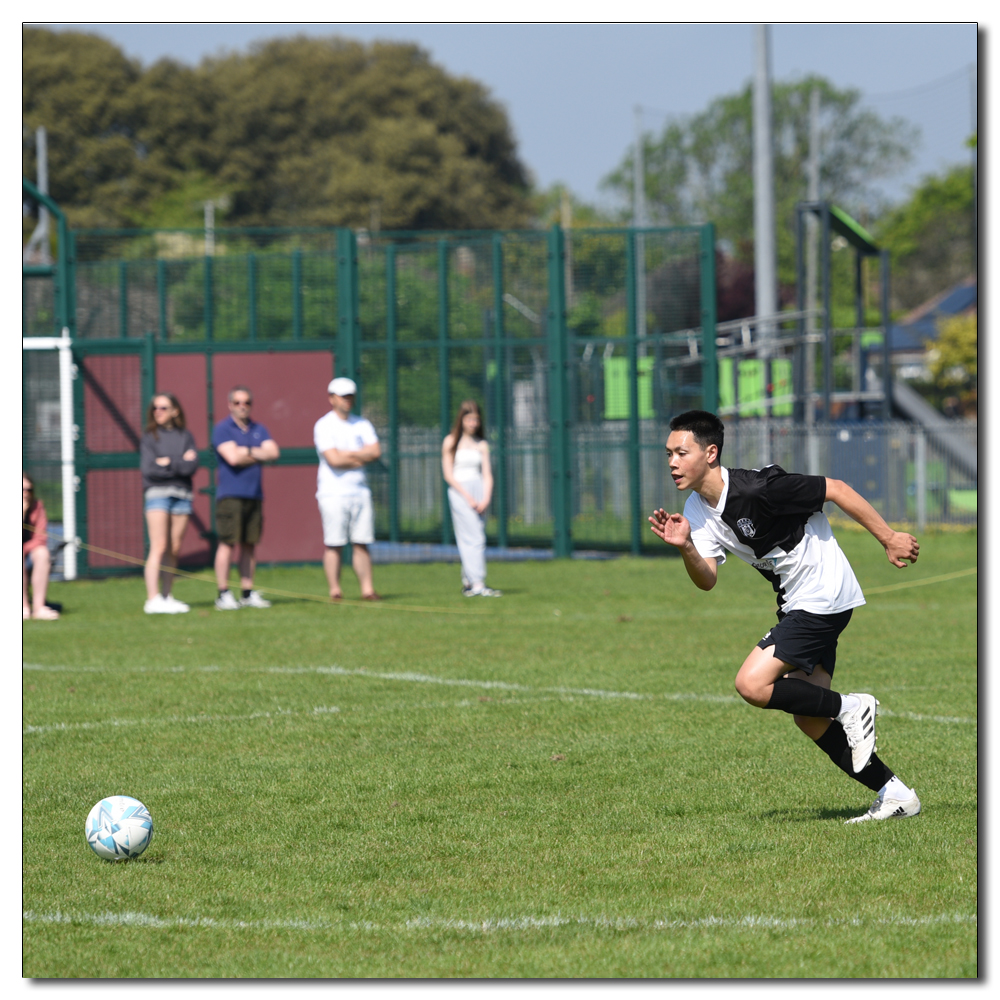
pixel 167 458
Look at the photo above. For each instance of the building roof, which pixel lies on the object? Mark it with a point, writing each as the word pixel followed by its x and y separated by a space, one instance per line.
pixel 921 324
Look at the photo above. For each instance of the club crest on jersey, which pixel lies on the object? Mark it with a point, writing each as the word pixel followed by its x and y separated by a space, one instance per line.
pixel 746 526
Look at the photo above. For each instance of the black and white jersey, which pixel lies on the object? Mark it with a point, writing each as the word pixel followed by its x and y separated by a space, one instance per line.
pixel 774 521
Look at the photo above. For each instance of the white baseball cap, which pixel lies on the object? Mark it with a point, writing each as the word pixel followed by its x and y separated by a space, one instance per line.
pixel 342 387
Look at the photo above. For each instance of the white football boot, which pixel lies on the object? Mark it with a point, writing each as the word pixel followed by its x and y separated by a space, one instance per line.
pixel 254 601
pixel 887 806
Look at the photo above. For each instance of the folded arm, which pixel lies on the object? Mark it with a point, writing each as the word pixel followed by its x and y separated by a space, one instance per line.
pixel 339 458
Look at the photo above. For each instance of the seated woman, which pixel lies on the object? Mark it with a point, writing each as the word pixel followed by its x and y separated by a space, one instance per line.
pixel 34 543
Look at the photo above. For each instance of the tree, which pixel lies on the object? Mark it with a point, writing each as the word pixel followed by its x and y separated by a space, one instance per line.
pixel 299 131
pixel 701 169
pixel 953 361
pixel 930 237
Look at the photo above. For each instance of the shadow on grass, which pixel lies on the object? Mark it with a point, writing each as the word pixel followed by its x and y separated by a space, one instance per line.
pixel 805 814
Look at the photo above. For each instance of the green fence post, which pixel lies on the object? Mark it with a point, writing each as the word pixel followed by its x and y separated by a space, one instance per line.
pixel 347 309
pixel 631 334
pixel 208 299
pixel 392 390
pixel 297 294
pixel 252 295
pixel 559 396
pixel 161 294
pixel 709 365
pixel 80 462
pixel 501 396
pixel 70 274
pixel 122 299
pixel 147 381
pixel 213 459
pixel 447 536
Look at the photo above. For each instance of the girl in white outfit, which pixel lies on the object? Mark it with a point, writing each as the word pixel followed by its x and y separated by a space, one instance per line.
pixel 465 463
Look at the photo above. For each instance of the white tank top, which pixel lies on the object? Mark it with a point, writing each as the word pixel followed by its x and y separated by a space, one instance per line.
pixel 468 464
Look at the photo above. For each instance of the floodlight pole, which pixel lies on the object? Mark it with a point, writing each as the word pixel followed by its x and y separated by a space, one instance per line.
pixel 639 221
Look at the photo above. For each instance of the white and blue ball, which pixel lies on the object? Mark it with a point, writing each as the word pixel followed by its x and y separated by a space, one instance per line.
pixel 119 827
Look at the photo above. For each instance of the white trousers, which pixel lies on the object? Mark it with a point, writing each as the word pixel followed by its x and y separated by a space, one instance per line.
pixel 470 532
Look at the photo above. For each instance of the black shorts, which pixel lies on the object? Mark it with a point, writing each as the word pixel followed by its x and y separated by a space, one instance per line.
pixel 239 520
pixel 804 640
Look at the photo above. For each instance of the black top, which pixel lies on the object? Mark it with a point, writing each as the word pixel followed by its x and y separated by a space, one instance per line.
pixel 769 507
pixel 170 444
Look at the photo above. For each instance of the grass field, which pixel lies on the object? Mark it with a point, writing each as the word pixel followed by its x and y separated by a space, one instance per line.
pixel 560 783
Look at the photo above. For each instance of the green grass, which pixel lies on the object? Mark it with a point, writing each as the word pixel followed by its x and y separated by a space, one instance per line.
pixel 462 796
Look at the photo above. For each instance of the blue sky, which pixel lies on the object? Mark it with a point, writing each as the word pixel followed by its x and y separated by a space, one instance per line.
pixel 570 89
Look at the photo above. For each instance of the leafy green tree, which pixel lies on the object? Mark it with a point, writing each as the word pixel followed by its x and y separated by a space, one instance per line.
pixel 700 169
pixel 298 131
pixel 930 237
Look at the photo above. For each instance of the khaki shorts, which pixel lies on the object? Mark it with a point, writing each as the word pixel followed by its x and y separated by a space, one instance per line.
pixel 238 520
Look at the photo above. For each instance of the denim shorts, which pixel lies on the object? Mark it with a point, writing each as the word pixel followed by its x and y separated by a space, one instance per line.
pixel 172 505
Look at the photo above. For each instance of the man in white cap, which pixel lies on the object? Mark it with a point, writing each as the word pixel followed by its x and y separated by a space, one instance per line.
pixel 345 444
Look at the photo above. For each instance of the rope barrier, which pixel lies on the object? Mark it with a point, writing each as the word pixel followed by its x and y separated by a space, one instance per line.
pixel 922 583
pixel 344 602
pixel 296 595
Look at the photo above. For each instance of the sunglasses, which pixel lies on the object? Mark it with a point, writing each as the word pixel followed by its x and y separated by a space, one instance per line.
pixel 242 402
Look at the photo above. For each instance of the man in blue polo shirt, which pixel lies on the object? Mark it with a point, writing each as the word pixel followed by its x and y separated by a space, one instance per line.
pixel 242 446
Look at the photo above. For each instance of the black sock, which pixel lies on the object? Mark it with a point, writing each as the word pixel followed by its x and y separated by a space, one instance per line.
pixel 834 744
pixel 246 592
pixel 799 697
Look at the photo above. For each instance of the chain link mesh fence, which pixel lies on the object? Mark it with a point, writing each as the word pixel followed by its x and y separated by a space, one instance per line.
pixel 598 336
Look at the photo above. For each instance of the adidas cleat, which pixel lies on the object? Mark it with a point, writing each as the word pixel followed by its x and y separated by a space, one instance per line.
pixel 888 807
pixel 859 728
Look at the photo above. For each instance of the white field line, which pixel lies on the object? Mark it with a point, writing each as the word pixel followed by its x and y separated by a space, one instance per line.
pixel 415 678
pixel 490 925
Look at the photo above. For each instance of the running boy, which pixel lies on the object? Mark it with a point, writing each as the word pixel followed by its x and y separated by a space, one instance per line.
pixel 774 521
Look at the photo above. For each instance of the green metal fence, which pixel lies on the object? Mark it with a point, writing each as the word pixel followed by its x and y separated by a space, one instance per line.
pixel 579 345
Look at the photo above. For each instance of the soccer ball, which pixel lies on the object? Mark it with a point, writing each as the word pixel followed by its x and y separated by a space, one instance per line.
pixel 119 827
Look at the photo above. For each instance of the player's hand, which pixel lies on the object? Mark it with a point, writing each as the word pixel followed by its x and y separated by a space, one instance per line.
pixel 674 529
pixel 902 546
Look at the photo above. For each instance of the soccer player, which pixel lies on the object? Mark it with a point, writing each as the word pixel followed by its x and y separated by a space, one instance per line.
pixel 774 521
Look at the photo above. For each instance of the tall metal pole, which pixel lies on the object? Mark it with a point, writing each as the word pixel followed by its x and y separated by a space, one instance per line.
pixel 37 249
pixel 765 237
pixel 639 221
pixel 765 242
pixel 812 263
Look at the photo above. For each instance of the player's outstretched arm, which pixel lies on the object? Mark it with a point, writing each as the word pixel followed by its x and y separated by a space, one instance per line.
pixel 675 530
pixel 898 545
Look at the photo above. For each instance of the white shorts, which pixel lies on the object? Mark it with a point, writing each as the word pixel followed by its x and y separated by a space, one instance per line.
pixel 348 519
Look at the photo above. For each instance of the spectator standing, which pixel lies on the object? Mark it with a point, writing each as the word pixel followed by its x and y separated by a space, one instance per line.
pixel 346 443
pixel 465 464
pixel 34 543
pixel 242 446
pixel 167 459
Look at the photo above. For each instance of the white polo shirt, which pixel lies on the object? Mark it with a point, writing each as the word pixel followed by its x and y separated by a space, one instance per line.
pixel 351 434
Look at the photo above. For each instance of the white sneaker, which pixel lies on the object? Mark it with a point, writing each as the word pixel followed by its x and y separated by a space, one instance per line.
pixel 482 592
pixel 888 807
pixel 859 728
pixel 157 606
pixel 173 606
pixel 226 602
pixel 254 601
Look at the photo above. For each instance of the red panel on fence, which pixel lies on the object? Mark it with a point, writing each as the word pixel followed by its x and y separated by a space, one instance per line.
pixel 293 531
pixel 184 376
pixel 288 387
pixel 114 515
pixel 112 402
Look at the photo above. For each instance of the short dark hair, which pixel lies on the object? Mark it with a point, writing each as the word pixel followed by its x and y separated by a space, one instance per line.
pixel 239 388
pixel 706 427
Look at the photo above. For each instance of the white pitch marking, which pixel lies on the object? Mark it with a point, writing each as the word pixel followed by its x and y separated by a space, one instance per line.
pixel 490 925
pixel 504 686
